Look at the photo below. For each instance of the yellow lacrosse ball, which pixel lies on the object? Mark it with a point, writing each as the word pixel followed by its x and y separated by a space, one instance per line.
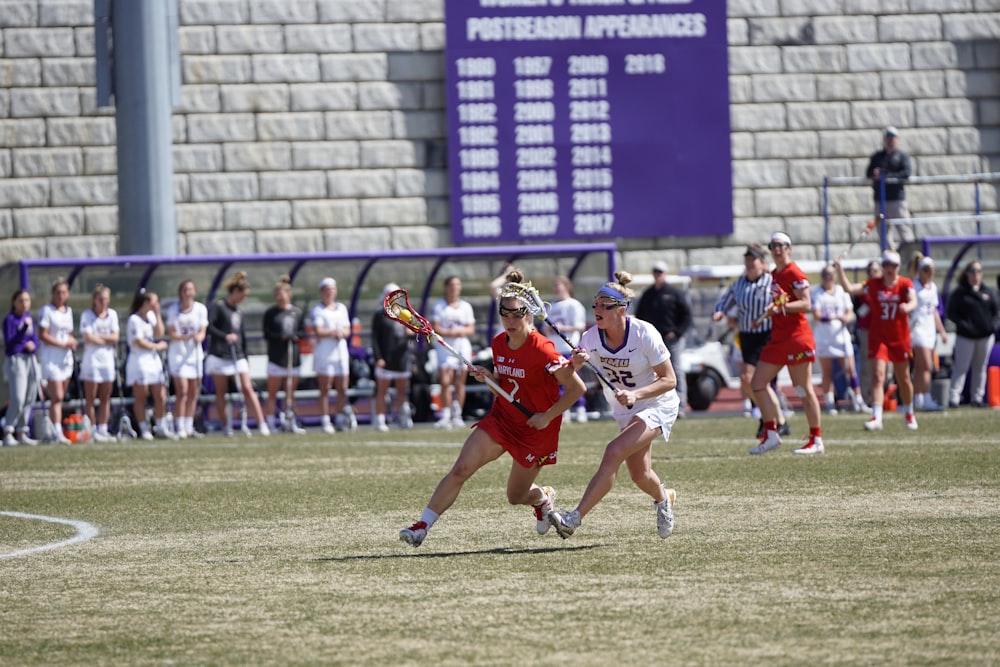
pixel 404 315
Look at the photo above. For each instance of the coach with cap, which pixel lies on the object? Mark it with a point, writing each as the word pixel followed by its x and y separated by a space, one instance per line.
pixel 891 163
pixel 667 308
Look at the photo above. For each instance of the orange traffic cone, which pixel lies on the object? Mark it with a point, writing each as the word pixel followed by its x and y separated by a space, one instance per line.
pixel 993 386
pixel 890 403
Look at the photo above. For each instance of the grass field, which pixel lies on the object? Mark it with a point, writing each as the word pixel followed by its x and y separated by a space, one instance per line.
pixel 284 551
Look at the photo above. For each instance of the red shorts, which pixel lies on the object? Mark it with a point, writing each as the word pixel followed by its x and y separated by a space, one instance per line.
pixel 788 353
pixel 895 353
pixel 527 446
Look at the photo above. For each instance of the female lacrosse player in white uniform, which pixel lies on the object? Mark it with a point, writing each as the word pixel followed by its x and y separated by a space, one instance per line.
pixel 632 356
pixel 187 326
pixel 526 365
pixel 99 366
pixel 332 358
pixel 455 321
pixel 55 331
pixel 144 369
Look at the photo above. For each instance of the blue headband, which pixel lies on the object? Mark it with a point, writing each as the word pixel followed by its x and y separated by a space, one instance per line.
pixel 611 292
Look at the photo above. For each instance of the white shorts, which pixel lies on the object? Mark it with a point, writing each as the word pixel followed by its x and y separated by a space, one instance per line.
pixel 653 417
pixel 218 366
pixel 97 373
pixel 182 367
pixel 448 360
pixel 833 345
pixel 144 374
pixel 386 374
pixel 276 371
pixel 332 367
pixel 56 364
pixel 925 337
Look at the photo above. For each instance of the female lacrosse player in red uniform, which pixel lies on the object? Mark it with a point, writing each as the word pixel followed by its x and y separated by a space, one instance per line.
pixel 791 345
pixel 527 366
pixel 892 299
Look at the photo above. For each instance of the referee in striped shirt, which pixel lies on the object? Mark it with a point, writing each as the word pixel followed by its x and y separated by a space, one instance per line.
pixel 750 295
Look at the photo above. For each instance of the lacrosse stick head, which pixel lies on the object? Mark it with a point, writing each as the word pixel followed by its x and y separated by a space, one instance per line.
pixel 396 305
pixel 527 295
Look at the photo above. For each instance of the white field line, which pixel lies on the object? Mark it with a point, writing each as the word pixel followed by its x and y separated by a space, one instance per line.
pixel 84 532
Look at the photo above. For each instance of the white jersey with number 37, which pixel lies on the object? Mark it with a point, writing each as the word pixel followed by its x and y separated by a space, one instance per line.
pixel 630 366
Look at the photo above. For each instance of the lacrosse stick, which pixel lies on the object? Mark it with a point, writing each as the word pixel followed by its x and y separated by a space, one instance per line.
pixel 289 411
pixel 528 295
pixel 868 230
pixel 398 309
pixel 779 299
pixel 239 391
pixel 125 430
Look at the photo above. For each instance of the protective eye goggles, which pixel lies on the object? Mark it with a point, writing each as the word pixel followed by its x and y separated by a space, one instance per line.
pixel 513 312
pixel 607 305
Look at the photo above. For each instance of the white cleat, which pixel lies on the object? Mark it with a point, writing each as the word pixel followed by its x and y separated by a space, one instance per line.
pixel 813 446
pixel 415 534
pixel 770 440
pixel 565 522
pixel 543 509
pixel 873 424
pixel 665 513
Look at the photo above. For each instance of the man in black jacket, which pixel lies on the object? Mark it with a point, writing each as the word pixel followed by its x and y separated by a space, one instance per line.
pixel 893 163
pixel 666 308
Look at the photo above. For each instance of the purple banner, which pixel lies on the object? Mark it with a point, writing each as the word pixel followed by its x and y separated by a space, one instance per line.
pixel 587 119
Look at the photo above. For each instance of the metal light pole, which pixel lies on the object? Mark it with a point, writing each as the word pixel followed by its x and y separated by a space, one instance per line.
pixel 138 65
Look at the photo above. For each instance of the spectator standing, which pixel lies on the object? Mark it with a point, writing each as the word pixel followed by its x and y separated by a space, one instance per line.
pixel 571 317
pixel 666 308
pixel 227 356
pixel 187 327
pixel 99 367
pixel 393 366
pixel 747 299
pixel 832 311
pixel 973 308
pixel 454 320
pixel 144 368
pixel 332 358
pixel 925 326
pixel 891 162
pixel 892 299
pixel 792 345
pixel 284 326
pixel 55 331
pixel 20 340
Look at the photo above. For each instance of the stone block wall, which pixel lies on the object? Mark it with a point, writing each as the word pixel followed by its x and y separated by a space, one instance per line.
pixel 319 124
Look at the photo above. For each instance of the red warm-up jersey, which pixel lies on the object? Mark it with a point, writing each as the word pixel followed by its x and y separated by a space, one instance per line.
pixel 889 324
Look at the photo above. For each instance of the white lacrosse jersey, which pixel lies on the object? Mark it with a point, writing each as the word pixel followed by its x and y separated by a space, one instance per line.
pixel 336 317
pixel 630 366
pixel 98 356
pixel 186 352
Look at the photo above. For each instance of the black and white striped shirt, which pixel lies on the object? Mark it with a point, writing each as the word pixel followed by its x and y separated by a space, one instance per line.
pixel 751 298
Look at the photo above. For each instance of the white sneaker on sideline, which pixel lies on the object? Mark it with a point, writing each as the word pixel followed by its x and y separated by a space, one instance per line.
pixel 327 426
pixel 9 440
pixel 911 421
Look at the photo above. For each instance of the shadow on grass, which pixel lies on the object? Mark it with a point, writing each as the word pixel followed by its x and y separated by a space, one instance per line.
pixel 499 551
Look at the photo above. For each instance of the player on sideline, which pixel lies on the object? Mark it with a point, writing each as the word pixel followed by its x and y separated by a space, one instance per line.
pixel 633 357
pixel 527 366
